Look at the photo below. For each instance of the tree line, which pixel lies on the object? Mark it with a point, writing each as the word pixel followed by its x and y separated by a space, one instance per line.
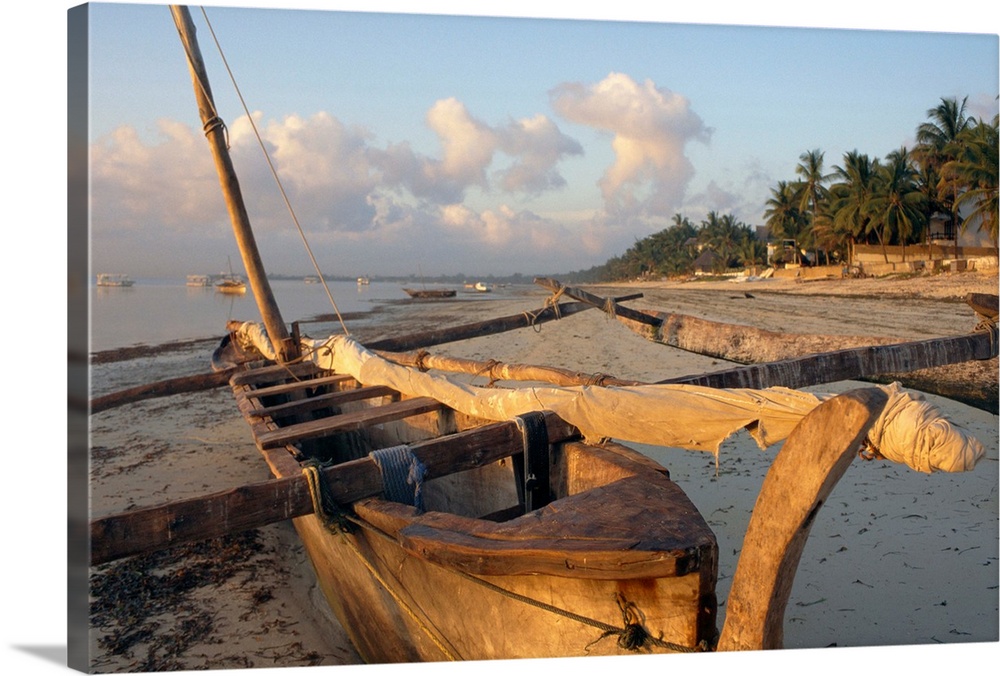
pixel 949 177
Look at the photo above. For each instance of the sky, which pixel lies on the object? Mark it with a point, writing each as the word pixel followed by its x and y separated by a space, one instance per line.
pixel 479 145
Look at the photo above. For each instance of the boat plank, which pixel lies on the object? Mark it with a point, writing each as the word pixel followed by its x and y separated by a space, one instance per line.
pixel 346 422
pixel 300 385
pixel 324 400
pixel 275 373
pixel 598 533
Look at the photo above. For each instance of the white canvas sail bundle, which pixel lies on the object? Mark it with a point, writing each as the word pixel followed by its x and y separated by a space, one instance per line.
pixel 910 430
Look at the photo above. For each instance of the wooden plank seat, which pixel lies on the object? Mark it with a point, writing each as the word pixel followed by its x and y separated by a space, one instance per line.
pixel 322 401
pixel 346 422
pixel 274 374
pixel 301 385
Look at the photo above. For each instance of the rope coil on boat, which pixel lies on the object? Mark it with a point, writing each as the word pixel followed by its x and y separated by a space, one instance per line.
pixel 400 470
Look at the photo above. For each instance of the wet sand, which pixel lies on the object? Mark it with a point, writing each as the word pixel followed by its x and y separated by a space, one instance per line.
pixel 894 558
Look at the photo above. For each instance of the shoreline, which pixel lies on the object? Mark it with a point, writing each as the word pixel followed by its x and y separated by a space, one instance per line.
pixel 880 567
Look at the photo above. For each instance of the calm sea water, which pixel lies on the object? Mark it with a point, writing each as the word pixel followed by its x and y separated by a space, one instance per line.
pixel 155 311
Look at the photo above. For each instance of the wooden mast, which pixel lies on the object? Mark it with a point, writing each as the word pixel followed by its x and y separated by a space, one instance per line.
pixel 285 347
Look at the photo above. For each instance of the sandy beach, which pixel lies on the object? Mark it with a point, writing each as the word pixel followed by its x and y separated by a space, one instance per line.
pixel 895 557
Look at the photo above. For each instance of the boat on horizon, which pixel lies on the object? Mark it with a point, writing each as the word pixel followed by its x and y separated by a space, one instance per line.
pixel 230 282
pixel 114 279
pixel 199 281
pixel 429 293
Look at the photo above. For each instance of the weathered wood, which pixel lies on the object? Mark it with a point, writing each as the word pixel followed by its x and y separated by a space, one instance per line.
pixel 986 305
pixel 251 506
pixel 322 401
pixel 487 327
pixel 800 479
pixel 849 364
pixel 302 385
pixel 275 373
pixel 163 388
pixel 955 367
pixel 497 371
pixel 603 544
pixel 218 141
pixel 346 422
pixel 597 301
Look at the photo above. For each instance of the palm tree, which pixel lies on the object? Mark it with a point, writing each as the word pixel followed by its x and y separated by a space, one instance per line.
pixel 783 217
pixel 897 205
pixel 936 146
pixel 809 190
pixel 750 251
pixel 722 234
pixel 850 197
pixel 975 170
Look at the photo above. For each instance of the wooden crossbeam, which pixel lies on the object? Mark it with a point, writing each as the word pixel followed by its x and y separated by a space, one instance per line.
pixel 347 422
pixel 323 401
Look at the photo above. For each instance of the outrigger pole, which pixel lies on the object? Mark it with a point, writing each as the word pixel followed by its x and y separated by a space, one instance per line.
pixel 284 346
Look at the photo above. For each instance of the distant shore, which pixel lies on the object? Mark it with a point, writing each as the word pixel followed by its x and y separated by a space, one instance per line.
pixel 895 558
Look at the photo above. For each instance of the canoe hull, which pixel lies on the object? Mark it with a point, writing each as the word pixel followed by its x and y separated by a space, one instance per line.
pixel 448 616
pixel 456 580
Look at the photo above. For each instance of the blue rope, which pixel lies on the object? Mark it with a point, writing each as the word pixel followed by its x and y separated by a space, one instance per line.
pixel 400 470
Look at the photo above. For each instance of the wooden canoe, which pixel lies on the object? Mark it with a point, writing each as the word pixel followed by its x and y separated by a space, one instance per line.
pixel 460 538
pixel 495 565
pixel 430 293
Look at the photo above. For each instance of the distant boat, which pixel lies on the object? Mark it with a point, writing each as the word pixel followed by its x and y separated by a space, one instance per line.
pixel 311 279
pixel 231 283
pixel 113 279
pixel 430 293
pixel 481 287
pixel 199 280
pixel 363 281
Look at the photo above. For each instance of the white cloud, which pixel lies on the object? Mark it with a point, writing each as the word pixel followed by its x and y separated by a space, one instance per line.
pixel 341 185
pixel 537 145
pixel 650 126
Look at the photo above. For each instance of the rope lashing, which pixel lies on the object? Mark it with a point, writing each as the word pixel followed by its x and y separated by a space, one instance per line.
pixel 988 325
pixel 491 369
pixel 598 379
pixel 420 361
pixel 550 302
pixel 213 123
pixel 610 308
pixel 324 506
pixel 634 637
pixel 402 475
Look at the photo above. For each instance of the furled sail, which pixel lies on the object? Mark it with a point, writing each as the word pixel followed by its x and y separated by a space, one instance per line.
pixel 910 430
